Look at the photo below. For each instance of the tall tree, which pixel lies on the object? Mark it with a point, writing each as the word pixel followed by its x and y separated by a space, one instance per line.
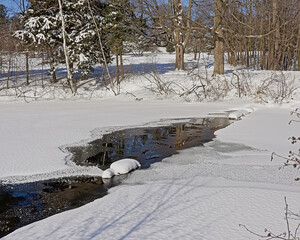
pixel 218 35
pixel 118 26
pixel 171 20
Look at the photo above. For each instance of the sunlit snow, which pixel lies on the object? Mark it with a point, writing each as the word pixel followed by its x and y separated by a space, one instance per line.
pixel 204 192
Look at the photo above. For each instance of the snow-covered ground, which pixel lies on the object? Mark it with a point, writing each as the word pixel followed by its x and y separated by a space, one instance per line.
pixel 201 193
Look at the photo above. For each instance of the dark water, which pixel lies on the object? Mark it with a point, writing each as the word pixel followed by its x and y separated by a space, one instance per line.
pixel 22 204
pixel 147 145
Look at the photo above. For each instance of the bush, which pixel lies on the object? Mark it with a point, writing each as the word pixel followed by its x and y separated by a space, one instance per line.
pixel 170 47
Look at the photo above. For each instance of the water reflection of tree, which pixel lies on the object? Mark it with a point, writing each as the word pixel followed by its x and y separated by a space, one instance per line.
pixel 150 143
pixel 179 137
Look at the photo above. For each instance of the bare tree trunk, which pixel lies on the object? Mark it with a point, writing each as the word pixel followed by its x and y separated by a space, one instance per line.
pixel 67 59
pixel 1 64
pixel 219 55
pixel 274 62
pixel 179 47
pixel 195 50
pixel 247 50
pixel 179 57
pixel 231 52
pixel 218 38
pixel 102 50
pixel 53 73
pixel 42 70
pixel 8 72
pixel 117 69
pixel 122 65
pixel 27 67
pixel 261 54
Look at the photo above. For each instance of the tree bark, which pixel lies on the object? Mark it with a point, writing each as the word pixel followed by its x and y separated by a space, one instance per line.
pixel 179 42
pixel 179 56
pixel 27 67
pixel 117 69
pixel 218 38
pixel 67 59
pixel 298 44
pixel 122 65
pixel 8 72
pixel 219 55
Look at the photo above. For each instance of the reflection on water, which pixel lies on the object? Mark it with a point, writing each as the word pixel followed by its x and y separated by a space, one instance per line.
pixel 147 145
pixel 22 204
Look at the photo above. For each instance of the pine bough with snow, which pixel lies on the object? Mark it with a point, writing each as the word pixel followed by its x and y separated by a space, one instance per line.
pixel 42 29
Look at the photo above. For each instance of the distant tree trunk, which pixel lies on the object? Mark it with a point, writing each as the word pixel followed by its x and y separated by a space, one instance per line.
pixel 219 54
pixel 67 59
pixel 179 56
pixel 117 69
pixel 195 49
pixel 8 72
pixel 122 65
pixel 276 24
pixel 262 46
pixel 178 34
pixel 27 67
pixel 53 73
pixel 42 69
pixel 218 38
pixel 231 52
pixel 274 61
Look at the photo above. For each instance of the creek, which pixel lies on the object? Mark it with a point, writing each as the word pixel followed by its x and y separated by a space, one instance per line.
pixel 22 204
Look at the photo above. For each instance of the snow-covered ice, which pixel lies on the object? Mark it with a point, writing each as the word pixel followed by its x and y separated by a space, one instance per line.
pixel 200 193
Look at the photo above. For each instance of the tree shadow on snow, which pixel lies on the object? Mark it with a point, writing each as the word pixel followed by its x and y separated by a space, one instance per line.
pixel 164 202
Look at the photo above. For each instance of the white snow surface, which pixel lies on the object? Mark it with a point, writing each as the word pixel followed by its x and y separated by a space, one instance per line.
pixel 124 166
pixel 108 173
pixel 238 114
pixel 204 192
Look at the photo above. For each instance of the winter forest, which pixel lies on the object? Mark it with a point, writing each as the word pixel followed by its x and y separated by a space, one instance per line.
pixel 149 119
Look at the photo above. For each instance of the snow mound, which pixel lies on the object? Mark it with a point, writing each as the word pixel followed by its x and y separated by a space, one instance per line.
pixel 108 173
pixel 122 166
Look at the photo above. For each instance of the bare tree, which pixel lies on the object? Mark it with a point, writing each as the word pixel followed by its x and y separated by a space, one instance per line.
pixel 169 19
pixel 67 58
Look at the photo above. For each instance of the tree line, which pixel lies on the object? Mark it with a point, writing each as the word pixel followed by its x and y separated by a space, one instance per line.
pixel 261 34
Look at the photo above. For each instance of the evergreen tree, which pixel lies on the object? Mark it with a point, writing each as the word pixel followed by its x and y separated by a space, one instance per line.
pixel 42 28
pixel 123 30
pixel 170 47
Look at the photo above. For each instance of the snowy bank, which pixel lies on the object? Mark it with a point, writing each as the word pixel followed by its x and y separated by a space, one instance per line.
pixel 212 188
pixel 35 135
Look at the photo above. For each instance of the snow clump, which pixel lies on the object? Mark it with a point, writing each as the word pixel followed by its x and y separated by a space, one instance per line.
pixel 238 114
pixel 122 166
